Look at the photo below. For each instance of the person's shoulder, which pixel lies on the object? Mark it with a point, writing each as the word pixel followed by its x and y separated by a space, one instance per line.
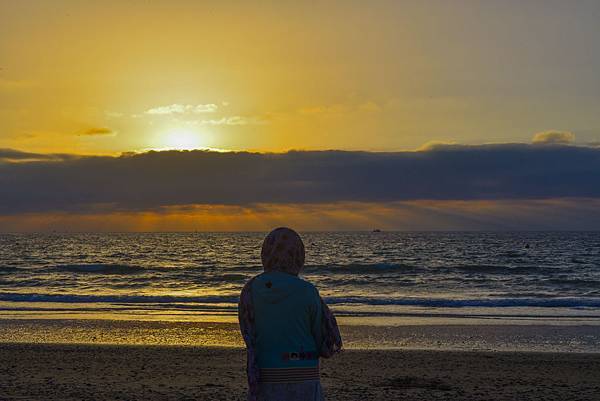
pixel 308 286
pixel 252 281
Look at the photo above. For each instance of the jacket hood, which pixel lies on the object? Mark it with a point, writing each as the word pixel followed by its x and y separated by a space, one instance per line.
pixel 274 287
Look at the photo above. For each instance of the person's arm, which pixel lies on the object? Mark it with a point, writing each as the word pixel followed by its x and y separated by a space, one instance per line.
pixel 247 327
pixel 330 342
pixel 246 315
pixel 316 315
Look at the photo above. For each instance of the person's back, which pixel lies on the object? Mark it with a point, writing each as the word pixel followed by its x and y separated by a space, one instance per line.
pixel 288 322
pixel 285 324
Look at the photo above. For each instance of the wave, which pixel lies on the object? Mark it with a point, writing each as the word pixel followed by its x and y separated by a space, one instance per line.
pixel 126 299
pixel 374 268
pixel 362 268
pixel 310 270
pixel 8 269
pixel 232 299
pixel 576 282
pixel 476 302
pixel 100 268
pixel 494 269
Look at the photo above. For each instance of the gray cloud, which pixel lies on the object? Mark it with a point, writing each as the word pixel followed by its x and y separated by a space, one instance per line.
pixel 155 179
pixel 13 156
pixel 97 131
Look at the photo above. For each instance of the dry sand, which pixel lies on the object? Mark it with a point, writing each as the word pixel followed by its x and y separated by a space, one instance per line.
pixel 130 372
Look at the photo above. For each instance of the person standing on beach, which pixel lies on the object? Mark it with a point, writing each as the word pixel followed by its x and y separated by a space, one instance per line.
pixel 285 324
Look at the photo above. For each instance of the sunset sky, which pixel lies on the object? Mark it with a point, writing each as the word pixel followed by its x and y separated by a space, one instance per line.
pixel 475 114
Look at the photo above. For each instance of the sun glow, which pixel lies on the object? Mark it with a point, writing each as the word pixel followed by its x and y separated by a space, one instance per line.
pixel 182 140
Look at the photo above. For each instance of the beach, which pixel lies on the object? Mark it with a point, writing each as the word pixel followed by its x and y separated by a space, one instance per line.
pixel 121 372
pixel 157 360
pixel 407 186
pixel 153 316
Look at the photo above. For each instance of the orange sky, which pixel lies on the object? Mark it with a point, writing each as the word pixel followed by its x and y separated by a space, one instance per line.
pixel 347 216
pixel 113 76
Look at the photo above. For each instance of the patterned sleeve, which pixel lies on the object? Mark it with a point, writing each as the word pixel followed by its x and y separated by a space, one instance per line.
pixel 331 339
pixel 247 328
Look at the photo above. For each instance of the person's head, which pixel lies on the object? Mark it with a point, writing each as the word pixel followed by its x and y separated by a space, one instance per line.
pixel 283 250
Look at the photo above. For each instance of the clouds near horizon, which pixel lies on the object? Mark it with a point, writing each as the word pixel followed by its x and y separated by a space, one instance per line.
pixel 153 180
pixel 505 215
pixel 554 138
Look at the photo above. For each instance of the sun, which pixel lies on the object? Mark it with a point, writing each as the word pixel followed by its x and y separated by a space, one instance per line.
pixel 181 139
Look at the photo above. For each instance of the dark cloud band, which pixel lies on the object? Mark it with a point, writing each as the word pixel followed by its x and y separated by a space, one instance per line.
pixel 151 180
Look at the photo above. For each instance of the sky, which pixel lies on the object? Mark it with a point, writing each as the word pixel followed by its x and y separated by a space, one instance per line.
pixel 447 115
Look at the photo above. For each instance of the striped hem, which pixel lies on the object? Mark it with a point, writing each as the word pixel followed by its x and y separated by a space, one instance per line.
pixel 288 375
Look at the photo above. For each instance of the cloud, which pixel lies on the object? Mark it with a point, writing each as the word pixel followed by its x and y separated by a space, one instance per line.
pixel 113 114
pixel 154 180
pixel 183 109
pixel 328 109
pixel 433 145
pixel 97 131
pixel 553 138
pixel 232 120
pixel 16 156
pixel 11 154
pixel 340 108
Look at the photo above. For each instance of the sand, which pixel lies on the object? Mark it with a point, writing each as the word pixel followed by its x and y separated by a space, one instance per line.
pixel 568 339
pixel 138 372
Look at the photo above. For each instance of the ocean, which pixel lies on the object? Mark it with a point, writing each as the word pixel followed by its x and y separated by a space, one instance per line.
pixel 375 278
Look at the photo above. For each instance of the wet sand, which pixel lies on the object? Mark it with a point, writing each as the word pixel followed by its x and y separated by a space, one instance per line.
pixel 137 372
pixel 448 337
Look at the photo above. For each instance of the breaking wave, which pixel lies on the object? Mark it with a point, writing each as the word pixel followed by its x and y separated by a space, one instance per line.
pixel 230 299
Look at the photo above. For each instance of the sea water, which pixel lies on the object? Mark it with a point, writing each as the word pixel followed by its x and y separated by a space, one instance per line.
pixel 366 277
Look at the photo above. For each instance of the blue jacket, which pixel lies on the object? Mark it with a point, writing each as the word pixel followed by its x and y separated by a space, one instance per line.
pixel 287 313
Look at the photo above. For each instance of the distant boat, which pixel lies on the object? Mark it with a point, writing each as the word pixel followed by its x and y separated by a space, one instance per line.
pixel 376 230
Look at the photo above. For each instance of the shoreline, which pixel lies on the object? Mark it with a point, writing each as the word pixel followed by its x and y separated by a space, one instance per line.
pixel 443 337
pixel 173 372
